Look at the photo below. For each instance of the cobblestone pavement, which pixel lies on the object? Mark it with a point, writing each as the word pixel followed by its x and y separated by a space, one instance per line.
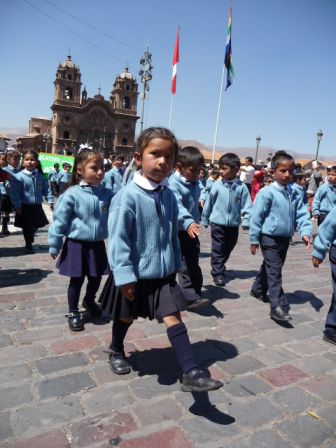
pixel 57 390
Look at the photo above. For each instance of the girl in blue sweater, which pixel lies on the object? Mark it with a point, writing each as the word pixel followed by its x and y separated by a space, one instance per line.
pixel 27 189
pixel 81 216
pixel 144 255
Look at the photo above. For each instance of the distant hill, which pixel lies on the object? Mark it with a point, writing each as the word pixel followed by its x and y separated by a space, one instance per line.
pixel 13 133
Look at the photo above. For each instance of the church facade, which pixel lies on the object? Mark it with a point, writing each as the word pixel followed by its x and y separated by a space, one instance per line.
pixel 108 125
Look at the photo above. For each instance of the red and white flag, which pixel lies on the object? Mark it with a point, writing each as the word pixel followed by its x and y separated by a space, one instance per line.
pixel 175 61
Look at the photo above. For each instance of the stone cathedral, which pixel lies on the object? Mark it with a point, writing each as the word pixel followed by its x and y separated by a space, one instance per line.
pixel 76 118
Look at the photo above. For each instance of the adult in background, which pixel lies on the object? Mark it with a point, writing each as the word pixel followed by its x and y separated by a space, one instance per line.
pixel 247 172
pixel 257 180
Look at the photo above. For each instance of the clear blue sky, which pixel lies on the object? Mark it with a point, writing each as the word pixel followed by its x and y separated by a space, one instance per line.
pixel 283 53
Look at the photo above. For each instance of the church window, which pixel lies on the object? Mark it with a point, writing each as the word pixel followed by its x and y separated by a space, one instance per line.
pixel 69 77
pixel 126 103
pixel 66 135
pixel 68 93
pixel 127 87
pixel 124 141
pixel 67 118
pixel 125 126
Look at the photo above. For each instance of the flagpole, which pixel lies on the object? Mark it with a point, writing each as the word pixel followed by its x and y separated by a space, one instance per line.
pixel 218 114
pixel 171 111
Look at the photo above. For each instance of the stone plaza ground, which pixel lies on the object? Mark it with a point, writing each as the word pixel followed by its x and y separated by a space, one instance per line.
pixel 57 390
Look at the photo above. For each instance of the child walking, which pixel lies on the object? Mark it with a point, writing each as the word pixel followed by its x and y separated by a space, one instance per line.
pixel 325 197
pixel 275 216
pixel 144 255
pixel 54 180
pixel 64 178
pixel 209 183
pixel 27 189
pixel 11 164
pixel 300 186
pixel 186 187
pixel 113 178
pixel 326 239
pixel 81 217
pixel 229 201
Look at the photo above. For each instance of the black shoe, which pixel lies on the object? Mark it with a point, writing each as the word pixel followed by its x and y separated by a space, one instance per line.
pixel 118 363
pixel 261 297
pixel 198 381
pixel 29 249
pixel 279 314
pixel 5 232
pixel 329 336
pixel 197 303
pixel 92 307
pixel 75 322
pixel 219 281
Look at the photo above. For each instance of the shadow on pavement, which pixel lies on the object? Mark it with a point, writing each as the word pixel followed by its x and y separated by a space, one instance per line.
pixel 214 293
pixel 231 274
pixel 163 363
pixel 204 408
pixel 13 277
pixel 300 297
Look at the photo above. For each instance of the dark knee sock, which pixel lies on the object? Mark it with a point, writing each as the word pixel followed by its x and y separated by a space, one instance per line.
pixel 91 288
pixel 74 290
pixel 179 339
pixel 5 221
pixel 119 331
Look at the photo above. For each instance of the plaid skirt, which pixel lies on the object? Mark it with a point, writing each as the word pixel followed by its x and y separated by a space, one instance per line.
pixel 154 298
pixel 83 258
pixel 32 217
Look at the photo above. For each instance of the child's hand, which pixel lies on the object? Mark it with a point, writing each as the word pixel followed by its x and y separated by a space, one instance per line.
pixel 254 248
pixel 316 262
pixel 127 291
pixel 306 240
pixel 201 203
pixel 53 256
pixel 193 230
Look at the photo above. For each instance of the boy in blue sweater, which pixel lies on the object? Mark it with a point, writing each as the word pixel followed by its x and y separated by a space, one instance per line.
pixel 186 186
pixel 276 214
pixel 53 179
pixel 65 177
pixel 228 201
pixel 113 178
pixel 325 197
pixel 300 186
pixel 326 239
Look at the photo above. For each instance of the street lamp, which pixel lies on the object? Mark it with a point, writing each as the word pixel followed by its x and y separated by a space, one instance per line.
pixel 146 75
pixel 46 140
pixel 258 140
pixel 319 138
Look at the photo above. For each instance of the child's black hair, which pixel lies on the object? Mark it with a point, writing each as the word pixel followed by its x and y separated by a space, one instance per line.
pixel 56 165
pixel 299 175
pixel 280 157
pixel 155 132
pixel 231 160
pixel 215 171
pixel 118 156
pixel 249 159
pixel 81 159
pixel 36 157
pixel 190 156
pixel 331 169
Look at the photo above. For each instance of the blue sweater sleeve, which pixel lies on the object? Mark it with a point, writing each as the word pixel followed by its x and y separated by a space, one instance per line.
pixel 246 204
pixel 326 236
pixel 303 221
pixel 317 201
pixel 185 218
pixel 47 193
pixel 260 210
pixel 208 206
pixel 121 221
pixel 15 191
pixel 62 217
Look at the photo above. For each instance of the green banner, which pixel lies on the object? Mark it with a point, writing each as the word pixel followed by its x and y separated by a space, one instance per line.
pixel 48 161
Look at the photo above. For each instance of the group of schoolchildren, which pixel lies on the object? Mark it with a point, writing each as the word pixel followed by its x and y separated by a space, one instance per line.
pixel 152 223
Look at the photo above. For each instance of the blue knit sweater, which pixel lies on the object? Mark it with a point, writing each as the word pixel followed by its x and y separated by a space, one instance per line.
pixel 65 177
pixel 301 191
pixel 54 176
pixel 227 204
pixel 188 196
pixel 29 188
pixel 142 244
pixel 324 199
pixel 81 213
pixel 326 235
pixel 276 214
pixel 113 179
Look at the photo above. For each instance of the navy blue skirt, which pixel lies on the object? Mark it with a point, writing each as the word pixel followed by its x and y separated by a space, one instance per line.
pixel 154 298
pixel 31 217
pixel 83 258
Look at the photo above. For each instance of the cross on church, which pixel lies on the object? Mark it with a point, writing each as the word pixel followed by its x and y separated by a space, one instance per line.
pixel 69 55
